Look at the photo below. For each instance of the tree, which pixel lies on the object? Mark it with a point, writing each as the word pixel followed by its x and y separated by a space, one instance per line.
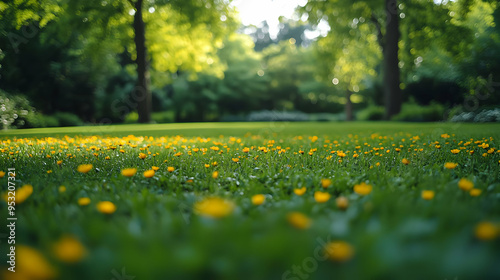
pixel 342 14
pixel 209 13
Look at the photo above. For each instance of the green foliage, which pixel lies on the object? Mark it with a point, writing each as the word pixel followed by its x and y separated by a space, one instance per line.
pixel 67 119
pixel 412 112
pixel 14 110
pixel 371 113
pixel 163 117
pixel 131 117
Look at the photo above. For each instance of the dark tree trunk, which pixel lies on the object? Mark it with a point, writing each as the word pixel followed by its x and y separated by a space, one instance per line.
pixel 141 94
pixel 392 91
pixel 348 106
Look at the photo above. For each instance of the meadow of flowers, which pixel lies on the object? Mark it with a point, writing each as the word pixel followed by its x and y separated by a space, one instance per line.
pixel 301 203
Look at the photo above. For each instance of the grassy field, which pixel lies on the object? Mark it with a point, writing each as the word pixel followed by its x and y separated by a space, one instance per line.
pixel 252 201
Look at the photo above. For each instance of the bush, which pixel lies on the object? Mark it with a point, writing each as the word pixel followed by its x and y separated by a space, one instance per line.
pixel 67 119
pixel 483 116
pixel 14 110
pixel 412 112
pixel 162 117
pixel 327 117
pixel 131 117
pixel 371 113
pixel 277 116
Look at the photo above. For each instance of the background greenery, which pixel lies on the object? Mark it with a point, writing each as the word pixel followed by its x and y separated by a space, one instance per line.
pixel 78 57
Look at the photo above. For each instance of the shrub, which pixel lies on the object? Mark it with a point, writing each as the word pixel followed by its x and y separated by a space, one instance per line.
pixel 327 117
pixel 277 116
pixel 412 112
pixel 488 116
pixel 67 119
pixel 131 117
pixel 14 110
pixel 371 113
pixel 162 117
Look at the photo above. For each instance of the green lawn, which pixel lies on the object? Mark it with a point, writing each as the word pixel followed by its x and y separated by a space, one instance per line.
pixel 255 201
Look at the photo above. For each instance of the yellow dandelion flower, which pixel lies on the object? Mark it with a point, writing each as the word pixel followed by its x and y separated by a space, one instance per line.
pixel 455 151
pixel 245 150
pixel 59 162
pixel 298 220
pixel 405 161
pixel 300 191
pixel 363 188
pixel 325 183
pixel 339 251
pixel 149 173
pixel 215 174
pixel 486 231
pixel 465 185
pixel 321 197
pixel 129 172
pixel 342 202
pixel 31 264
pixel 475 192
pixel 106 207
pixel 214 207
pixel 450 165
pixel 170 169
pixel 2 173
pixel 82 201
pixel 84 168
pixel 62 189
pixel 49 171
pixel 142 155
pixel 155 168
pixel 21 194
pixel 427 195
pixel 235 159
pixel 258 199
pixel 68 249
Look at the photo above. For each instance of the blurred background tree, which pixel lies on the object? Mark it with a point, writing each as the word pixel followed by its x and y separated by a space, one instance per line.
pixel 79 58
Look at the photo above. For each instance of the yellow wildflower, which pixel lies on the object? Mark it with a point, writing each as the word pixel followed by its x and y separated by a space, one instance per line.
pixel 235 159
pixel 339 251
pixel 258 199
pixel 342 202
pixel 321 197
pixel 214 207
pixel 325 183
pixel 363 188
pixel 465 185
pixel 427 195
pixel 149 173
pixel 129 172
pixel 215 174
pixel 68 249
pixel 475 192
pixel 106 207
pixel 84 168
pixel 170 169
pixel 300 191
pixel 83 201
pixel 486 231
pixel 405 161
pixel 298 220
pixel 450 165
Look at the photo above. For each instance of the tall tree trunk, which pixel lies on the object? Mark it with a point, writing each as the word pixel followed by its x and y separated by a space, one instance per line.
pixel 392 91
pixel 348 106
pixel 141 94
